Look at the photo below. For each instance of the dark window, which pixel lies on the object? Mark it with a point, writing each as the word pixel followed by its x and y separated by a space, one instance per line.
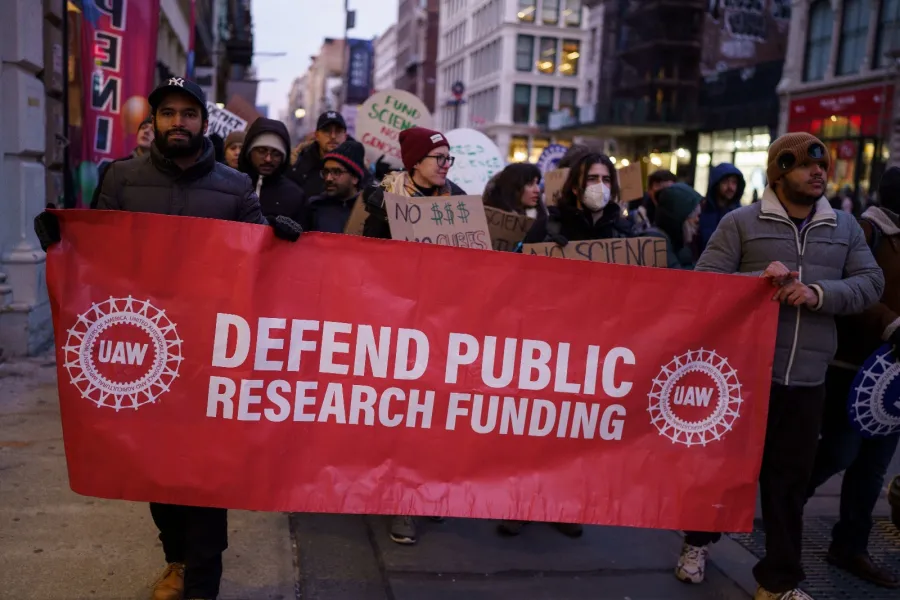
pixel 568 99
pixel 526 10
pixel 521 103
pixel 854 32
pixel 525 53
pixel 572 13
pixel 543 104
pixel 888 35
pixel 550 12
pixel 818 40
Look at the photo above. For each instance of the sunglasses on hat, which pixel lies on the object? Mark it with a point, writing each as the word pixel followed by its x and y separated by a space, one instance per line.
pixel 815 152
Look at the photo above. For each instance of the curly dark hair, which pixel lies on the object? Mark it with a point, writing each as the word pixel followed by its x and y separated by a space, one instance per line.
pixel 505 192
pixel 577 180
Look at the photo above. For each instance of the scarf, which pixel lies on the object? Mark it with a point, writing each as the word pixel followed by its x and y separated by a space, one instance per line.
pixel 400 183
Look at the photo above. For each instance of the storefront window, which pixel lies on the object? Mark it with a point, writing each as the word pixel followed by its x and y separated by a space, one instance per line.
pixel 537 146
pixel 547 59
pixel 752 164
pixel 570 54
pixel 705 142
pixel 518 149
pixel 701 174
pixel 818 40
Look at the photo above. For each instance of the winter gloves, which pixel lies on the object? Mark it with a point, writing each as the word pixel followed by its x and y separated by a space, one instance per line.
pixel 285 228
pixel 46 227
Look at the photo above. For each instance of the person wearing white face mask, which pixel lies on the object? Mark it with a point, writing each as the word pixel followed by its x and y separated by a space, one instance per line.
pixel 587 208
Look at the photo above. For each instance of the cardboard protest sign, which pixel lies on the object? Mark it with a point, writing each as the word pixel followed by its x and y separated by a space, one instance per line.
pixel 507 229
pixel 358 217
pixel 639 251
pixel 473 382
pixel 382 117
pixel 443 220
pixel 477 159
pixel 631 183
pixel 223 122
pixel 553 184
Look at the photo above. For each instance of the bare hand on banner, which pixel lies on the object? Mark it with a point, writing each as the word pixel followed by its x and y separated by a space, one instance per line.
pixel 778 274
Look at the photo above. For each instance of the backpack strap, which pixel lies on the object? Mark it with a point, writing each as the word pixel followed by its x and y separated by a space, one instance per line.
pixel 877 234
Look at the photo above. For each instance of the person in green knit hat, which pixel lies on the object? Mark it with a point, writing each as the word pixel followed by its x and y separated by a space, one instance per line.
pixel 677 220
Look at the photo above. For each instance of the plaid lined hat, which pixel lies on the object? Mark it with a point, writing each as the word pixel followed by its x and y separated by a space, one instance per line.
pixel 352 155
pixel 417 142
pixel 793 150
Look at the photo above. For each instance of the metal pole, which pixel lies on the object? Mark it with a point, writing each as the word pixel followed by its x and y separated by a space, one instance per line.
pixel 346 53
pixel 456 115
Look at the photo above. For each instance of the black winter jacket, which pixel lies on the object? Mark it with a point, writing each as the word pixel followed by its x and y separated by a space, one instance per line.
pixel 327 214
pixel 575 224
pixel 155 184
pixel 278 195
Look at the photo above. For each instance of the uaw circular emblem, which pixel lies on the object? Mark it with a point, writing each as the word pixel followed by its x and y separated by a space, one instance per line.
pixel 696 398
pixel 874 401
pixel 122 353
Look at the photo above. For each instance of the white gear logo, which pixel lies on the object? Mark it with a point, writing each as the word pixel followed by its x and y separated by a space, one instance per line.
pixel 156 379
pixel 727 400
pixel 868 407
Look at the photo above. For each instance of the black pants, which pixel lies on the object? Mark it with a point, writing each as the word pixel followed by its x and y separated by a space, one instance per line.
pixel 866 460
pixel 197 537
pixel 792 433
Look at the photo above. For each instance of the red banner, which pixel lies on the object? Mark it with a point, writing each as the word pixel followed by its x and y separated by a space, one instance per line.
pixel 118 62
pixel 208 363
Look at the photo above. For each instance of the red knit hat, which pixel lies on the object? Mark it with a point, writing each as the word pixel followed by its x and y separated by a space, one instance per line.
pixel 417 142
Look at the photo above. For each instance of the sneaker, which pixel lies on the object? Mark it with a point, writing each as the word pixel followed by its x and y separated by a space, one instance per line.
pixel 795 594
pixel 691 566
pixel 403 530
pixel 510 528
pixel 170 585
pixel 573 530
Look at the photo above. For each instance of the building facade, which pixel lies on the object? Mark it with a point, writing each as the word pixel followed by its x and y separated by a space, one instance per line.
pixel 520 61
pixel 839 84
pixel 386 59
pixel 417 48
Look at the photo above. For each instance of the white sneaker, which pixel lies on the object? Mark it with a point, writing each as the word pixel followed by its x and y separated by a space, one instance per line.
pixel 795 594
pixel 692 564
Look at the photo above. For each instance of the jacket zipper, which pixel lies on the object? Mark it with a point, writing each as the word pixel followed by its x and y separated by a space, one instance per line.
pixel 801 248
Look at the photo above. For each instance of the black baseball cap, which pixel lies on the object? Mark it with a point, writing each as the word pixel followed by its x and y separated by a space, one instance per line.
pixel 177 84
pixel 330 117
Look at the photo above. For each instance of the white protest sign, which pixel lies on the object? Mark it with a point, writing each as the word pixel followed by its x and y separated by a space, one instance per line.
pixel 382 117
pixel 223 122
pixel 477 160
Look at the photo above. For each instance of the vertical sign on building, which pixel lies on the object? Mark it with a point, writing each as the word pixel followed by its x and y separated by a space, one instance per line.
pixel 359 71
pixel 119 56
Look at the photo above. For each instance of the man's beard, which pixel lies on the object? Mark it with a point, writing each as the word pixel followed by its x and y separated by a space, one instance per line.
pixel 338 192
pixel 192 147
pixel 798 197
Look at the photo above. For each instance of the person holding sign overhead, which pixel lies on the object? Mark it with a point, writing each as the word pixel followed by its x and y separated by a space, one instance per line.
pixel 587 208
pixel 426 162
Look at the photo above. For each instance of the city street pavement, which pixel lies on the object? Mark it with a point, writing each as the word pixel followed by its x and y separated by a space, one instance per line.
pixel 57 545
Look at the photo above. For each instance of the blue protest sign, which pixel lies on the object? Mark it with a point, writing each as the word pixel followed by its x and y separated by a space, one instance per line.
pixel 874 401
pixel 550 157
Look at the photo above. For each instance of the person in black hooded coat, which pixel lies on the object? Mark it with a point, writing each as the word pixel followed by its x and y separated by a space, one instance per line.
pixel 264 157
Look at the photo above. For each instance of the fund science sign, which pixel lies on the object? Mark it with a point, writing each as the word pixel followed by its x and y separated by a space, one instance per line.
pixel 382 117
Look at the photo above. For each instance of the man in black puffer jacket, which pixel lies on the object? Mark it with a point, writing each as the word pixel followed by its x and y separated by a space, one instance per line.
pixel 264 157
pixel 180 176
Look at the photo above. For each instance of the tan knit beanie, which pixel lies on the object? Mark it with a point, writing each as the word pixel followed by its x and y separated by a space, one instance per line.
pixel 235 137
pixel 798 144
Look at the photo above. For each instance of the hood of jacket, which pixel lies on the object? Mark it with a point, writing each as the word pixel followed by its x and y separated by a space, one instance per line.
pixel 260 126
pixel 718 173
pixel 676 204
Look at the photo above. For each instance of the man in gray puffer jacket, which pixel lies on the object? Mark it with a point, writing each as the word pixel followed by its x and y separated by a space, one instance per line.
pixel 820 264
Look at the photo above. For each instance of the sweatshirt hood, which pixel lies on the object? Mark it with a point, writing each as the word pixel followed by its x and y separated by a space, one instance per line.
pixel 718 173
pixel 259 127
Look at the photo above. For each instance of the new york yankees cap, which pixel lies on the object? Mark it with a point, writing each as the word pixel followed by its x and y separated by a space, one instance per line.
pixel 177 84
pixel 330 117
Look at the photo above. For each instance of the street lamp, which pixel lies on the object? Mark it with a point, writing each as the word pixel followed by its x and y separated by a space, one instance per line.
pixel 300 113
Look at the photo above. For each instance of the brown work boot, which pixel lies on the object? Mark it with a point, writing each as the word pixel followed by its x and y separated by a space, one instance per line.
pixel 170 585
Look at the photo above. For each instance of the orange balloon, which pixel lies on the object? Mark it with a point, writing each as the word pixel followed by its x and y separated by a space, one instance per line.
pixel 135 110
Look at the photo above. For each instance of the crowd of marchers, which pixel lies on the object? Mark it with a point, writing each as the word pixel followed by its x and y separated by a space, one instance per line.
pixel 835 275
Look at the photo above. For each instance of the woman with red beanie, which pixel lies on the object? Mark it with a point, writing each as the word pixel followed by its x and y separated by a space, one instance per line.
pixel 426 161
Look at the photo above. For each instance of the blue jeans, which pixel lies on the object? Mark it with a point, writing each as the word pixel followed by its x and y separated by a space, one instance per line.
pixel 863 460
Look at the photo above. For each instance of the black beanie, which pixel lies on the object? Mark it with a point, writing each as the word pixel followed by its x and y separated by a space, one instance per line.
pixel 889 188
pixel 352 155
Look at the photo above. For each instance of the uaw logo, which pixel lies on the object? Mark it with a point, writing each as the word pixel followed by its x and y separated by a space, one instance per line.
pixel 696 398
pixel 123 353
pixel 874 401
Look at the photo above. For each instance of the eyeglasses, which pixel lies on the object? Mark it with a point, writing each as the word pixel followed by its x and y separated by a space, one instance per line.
pixel 263 152
pixel 333 172
pixel 443 160
pixel 815 152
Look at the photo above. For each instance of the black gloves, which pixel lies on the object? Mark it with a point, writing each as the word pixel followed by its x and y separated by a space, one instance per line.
pixel 46 226
pixel 557 239
pixel 285 228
